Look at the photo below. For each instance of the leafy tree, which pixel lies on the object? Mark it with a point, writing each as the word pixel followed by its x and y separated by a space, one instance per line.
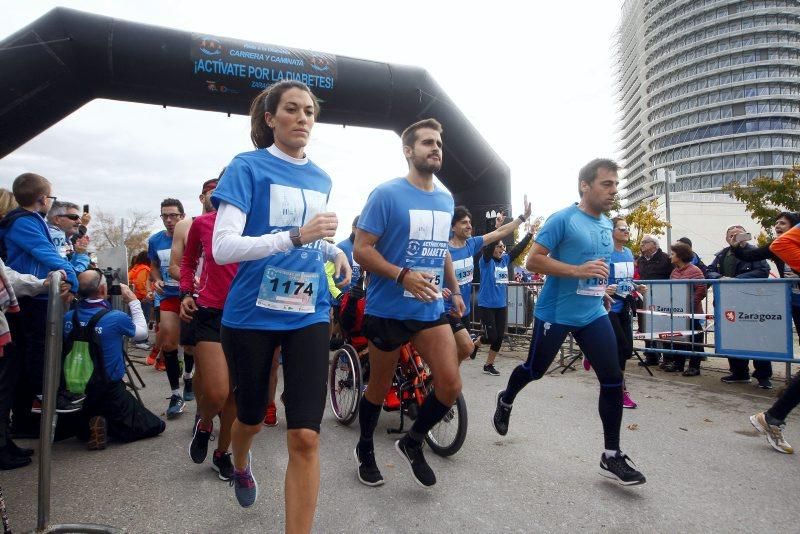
pixel 105 231
pixel 644 219
pixel 764 198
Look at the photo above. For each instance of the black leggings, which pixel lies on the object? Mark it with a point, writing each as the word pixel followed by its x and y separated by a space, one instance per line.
pixel 599 345
pixel 494 326
pixel 305 372
pixel 623 331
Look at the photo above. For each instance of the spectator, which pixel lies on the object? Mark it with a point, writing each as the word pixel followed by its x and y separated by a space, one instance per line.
pixel 26 241
pixel 139 280
pixel 695 258
pixel 7 202
pixel 727 265
pixel 110 409
pixel 653 264
pixel 64 222
pixel 681 257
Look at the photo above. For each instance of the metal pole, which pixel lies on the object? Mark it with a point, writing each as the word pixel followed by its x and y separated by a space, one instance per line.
pixel 666 203
pixel 52 372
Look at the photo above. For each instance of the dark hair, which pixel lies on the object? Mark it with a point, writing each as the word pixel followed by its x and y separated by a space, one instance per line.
pixel 615 220
pixel 686 240
pixel 207 184
pixel 459 213
pixel 409 135
pixel 792 216
pixel 267 101
pixel 28 187
pixel 167 202
pixel 355 221
pixel 589 171
pixel 683 251
pixel 140 259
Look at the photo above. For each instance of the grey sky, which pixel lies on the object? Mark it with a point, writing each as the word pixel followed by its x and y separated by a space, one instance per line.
pixel 534 78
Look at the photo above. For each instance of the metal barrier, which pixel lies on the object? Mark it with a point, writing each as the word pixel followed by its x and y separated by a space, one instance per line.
pixel 520 299
pixel 747 318
pixel 52 374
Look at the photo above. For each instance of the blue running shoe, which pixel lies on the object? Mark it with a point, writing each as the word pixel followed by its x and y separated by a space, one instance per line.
pixel 245 486
pixel 188 393
pixel 176 406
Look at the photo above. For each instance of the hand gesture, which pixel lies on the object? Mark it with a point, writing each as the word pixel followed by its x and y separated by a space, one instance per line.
pixel 321 225
pixel 592 269
pixel 127 295
pixel 86 219
pixel 611 289
pixel 188 308
pixel 419 284
pixel 158 285
pixel 526 211
pixel 342 268
pixel 498 222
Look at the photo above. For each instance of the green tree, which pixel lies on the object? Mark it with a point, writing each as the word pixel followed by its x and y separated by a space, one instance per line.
pixel 764 198
pixel 644 219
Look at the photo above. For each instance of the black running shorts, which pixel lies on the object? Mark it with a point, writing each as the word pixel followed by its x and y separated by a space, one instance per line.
pixel 207 324
pixel 305 372
pixel 188 338
pixel 456 323
pixel 391 334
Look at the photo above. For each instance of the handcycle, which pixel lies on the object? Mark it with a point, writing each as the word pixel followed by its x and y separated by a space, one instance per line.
pixel 411 384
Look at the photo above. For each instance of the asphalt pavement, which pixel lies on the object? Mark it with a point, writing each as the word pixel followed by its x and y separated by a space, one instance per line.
pixel 707 469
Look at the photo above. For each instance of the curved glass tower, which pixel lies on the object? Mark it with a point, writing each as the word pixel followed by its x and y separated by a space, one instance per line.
pixel 709 89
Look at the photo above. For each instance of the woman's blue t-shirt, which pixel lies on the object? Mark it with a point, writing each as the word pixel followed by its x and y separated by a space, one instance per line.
pixel 414 230
pixel 494 282
pixel 465 269
pixel 287 290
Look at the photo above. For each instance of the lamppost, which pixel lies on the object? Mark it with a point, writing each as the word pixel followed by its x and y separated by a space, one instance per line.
pixel 668 178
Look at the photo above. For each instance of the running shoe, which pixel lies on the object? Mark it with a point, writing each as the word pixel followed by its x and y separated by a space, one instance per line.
pixel 142 346
pixel 765 383
pixel 244 485
pixel 161 364
pixel 151 358
pixel 367 470
pixel 176 406
pixel 735 379
pixel 98 436
pixel 411 451
pixel 188 393
pixel 271 417
pixel 618 468
pixel 63 404
pixel 474 353
pixel 222 464
pixel 489 369
pixel 627 401
pixel 502 415
pixel 587 366
pixel 774 433
pixel 692 371
pixel 198 447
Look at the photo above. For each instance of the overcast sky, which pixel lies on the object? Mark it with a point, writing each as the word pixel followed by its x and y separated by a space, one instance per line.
pixel 535 81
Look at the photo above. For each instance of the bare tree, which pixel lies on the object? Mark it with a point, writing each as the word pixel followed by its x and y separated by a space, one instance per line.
pixel 106 230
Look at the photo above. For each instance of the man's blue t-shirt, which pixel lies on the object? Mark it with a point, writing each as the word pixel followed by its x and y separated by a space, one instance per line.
pixel 414 229
pixel 159 249
pixel 110 330
pixel 573 237
pixel 494 281
pixel 287 290
pixel 463 263
pixel 346 246
pixel 621 274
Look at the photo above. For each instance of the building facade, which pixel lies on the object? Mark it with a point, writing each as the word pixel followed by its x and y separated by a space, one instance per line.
pixel 709 89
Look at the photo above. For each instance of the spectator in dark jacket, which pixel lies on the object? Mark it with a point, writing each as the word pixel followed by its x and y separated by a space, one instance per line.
pixel 727 265
pixel 695 258
pixel 652 264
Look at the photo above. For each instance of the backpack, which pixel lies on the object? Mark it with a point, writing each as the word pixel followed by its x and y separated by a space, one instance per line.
pixel 6 223
pixel 83 355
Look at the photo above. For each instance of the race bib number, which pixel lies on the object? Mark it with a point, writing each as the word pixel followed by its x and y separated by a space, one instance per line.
pixel 465 270
pixel 288 291
pixel 436 278
pixel 592 287
pixel 500 276
pixel 622 272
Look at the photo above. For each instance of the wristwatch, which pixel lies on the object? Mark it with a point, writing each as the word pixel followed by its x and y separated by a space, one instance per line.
pixel 294 235
pixel 187 294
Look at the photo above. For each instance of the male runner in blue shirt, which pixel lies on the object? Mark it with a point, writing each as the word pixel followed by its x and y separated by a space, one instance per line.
pixel 573 248
pixel 402 242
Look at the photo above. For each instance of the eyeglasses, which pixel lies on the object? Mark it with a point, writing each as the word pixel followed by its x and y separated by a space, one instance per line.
pixel 166 216
pixel 623 229
pixel 71 216
pixel 52 198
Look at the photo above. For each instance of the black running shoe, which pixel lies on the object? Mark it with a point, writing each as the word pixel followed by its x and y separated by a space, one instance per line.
pixel 617 468
pixel 198 447
pixel 490 370
pixel 411 452
pixel 502 414
pixel 368 472
pixel 223 465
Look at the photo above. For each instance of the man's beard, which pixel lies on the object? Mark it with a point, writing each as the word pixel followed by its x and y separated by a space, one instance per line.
pixel 423 167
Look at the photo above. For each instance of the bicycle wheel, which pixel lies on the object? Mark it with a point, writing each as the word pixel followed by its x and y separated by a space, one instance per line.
pixel 345 384
pixel 447 437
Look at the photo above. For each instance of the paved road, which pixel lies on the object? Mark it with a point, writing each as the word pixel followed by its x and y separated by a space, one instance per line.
pixel 706 470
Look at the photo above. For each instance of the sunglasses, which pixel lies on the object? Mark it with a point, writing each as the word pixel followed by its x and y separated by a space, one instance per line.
pixel 71 216
pixel 623 229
